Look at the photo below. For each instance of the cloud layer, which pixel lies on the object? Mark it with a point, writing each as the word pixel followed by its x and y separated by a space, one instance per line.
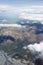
pixel 30 13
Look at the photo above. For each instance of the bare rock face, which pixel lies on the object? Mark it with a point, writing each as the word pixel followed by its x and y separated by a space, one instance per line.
pixel 6 60
pixel 2 59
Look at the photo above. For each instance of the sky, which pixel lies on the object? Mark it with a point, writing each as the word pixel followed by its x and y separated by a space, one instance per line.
pixel 12 10
pixel 22 3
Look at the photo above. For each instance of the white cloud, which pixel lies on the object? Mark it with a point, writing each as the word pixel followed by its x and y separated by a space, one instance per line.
pixel 10 9
pixel 10 25
pixel 31 12
pixel 35 49
pixel 30 9
pixel 31 16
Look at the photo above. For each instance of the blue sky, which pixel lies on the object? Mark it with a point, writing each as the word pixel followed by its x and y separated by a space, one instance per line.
pixel 22 3
pixel 13 10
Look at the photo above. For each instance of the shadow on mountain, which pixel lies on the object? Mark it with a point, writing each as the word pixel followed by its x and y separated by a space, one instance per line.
pixel 5 38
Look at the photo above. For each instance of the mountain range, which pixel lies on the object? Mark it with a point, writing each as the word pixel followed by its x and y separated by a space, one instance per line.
pixel 12 39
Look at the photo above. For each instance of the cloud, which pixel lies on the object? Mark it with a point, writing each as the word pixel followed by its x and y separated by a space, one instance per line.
pixel 35 49
pixel 31 16
pixel 34 9
pixel 30 12
pixel 10 9
pixel 11 25
pixel 27 10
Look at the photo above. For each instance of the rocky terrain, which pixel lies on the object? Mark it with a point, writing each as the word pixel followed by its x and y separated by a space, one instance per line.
pixel 13 39
pixel 6 60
